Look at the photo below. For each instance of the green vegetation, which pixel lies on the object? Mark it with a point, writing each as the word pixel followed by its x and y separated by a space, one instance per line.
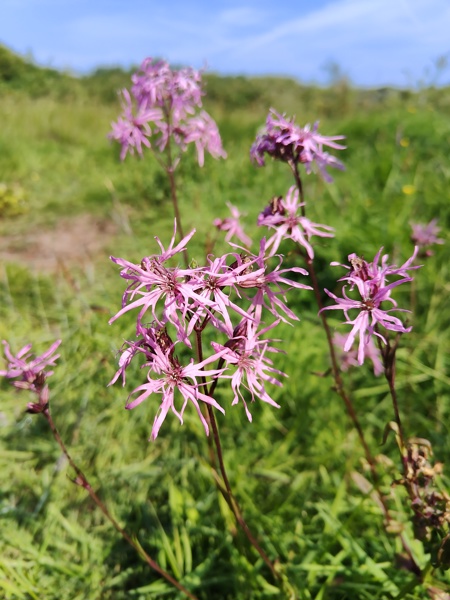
pixel 297 471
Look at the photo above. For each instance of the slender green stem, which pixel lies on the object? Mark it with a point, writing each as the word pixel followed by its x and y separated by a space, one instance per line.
pixel 176 210
pixel 170 170
pixel 82 481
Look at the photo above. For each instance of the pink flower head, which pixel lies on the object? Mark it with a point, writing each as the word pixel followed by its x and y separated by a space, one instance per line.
pixel 29 371
pixel 203 131
pixel 233 226
pixel 188 299
pixel 148 339
pixel 216 283
pixel 170 101
pixel 155 286
pixel 133 131
pixel 283 216
pixel 375 274
pixel 26 367
pixel 426 235
pixel 247 353
pixel 370 282
pixel 178 92
pixel 270 284
pixel 172 377
pixel 284 140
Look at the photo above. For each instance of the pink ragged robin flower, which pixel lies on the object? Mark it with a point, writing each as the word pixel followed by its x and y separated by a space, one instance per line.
pixel 217 282
pixel 283 216
pixel 171 377
pixel 133 131
pixel 271 286
pixel 369 280
pixel 233 227
pixel 170 293
pixel 247 353
pixel 29 372
pixel 191 299
pixel 26 367
pixel 283 140
pixel 164 107
pixel 204 133
pixel 179 92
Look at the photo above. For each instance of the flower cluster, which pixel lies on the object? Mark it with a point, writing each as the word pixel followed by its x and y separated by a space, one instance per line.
pixel 185 301
pixel 370 280
pixel 282 214
pixel 284 140
pixel 164 106
pixel 29 372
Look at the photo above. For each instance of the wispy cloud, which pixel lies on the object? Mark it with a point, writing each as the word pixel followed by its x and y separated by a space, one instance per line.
pixel 375 41
pixel 362 35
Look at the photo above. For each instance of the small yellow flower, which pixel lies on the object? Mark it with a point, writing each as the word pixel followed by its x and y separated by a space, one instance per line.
pixel 404 142
pixel 408 189
pixel 412 109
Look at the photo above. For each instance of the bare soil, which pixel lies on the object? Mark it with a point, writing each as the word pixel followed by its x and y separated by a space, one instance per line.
pixel 74 241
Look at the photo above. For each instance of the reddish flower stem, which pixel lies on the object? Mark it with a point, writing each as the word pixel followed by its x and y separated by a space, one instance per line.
pixel 82 481
pixel 339 384
pixel 232 502
pixel 228 493
pixel 388 353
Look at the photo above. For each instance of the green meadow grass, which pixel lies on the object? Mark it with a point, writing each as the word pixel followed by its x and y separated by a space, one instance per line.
pixel 296 471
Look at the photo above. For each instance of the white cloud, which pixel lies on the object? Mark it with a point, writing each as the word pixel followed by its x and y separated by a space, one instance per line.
pixel 356 20
pixel 375 41
pixel 359 34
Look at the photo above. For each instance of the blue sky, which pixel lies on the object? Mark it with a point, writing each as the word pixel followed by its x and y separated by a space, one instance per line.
pixel 375 42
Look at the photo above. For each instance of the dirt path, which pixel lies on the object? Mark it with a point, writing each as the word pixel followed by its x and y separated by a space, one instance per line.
pixel 73 241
